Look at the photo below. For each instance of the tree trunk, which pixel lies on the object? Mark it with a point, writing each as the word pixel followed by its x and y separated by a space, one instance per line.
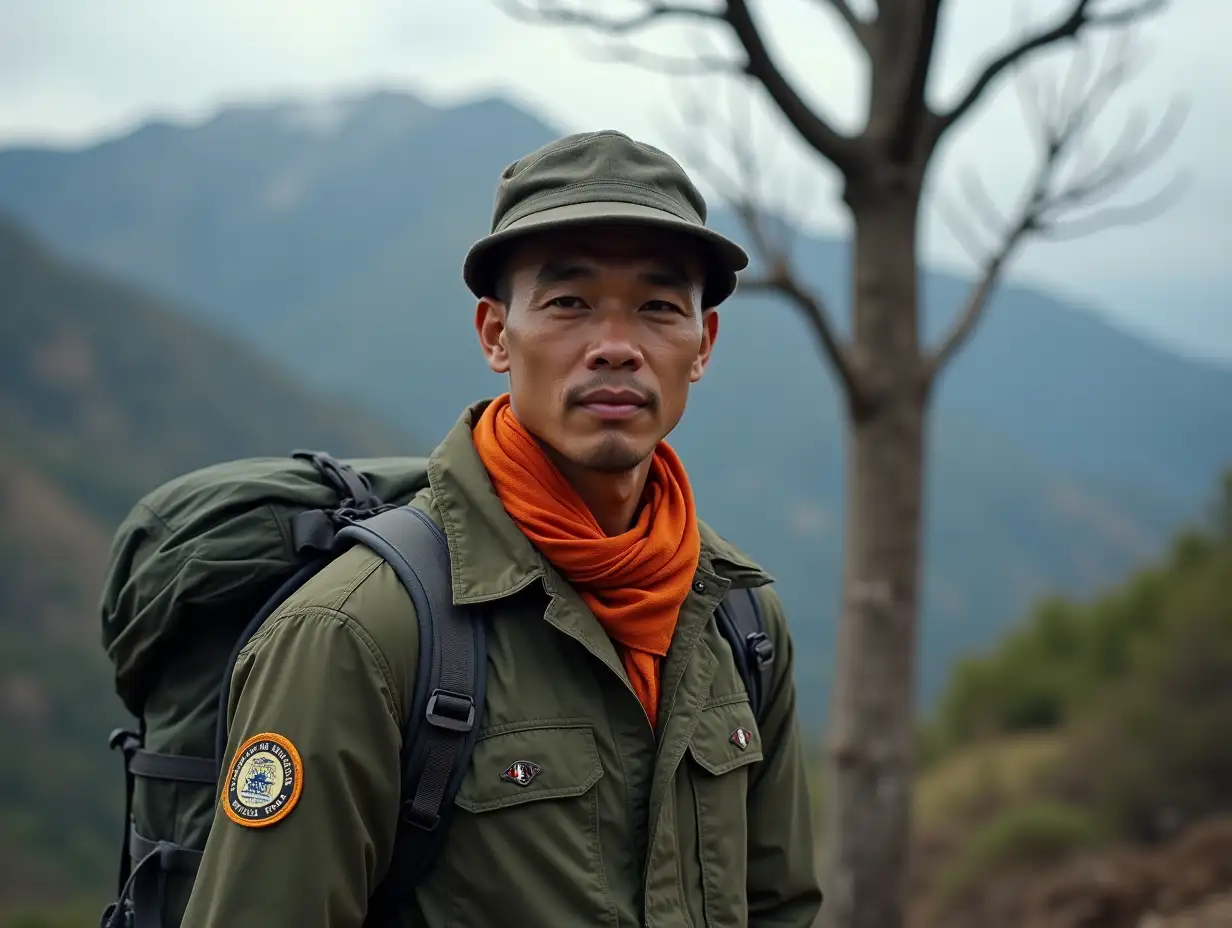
pixel 870 754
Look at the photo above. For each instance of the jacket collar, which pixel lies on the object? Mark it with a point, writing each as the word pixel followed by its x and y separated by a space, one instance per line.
pixel 491 558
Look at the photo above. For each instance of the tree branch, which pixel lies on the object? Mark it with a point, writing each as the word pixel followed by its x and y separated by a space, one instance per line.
pixel 861 29
pixel 911 114
pixel 739 187
pixel 840 150
pixel 778 277
pixel 1067 28
pixel 555 13
pixel 696 65
pixel 977 300
pixel 1062 129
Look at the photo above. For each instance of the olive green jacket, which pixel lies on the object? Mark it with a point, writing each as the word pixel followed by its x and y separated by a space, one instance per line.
pixel 621 826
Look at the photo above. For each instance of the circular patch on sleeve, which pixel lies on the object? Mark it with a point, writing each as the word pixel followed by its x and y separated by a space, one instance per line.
pixel 264 781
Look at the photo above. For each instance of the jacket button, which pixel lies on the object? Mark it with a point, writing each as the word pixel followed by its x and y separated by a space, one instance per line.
pixel 699 586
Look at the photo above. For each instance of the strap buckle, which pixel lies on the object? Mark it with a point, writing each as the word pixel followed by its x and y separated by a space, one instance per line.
pixel 425 821
pixel 118 915
pixel 351 486
pixel 451 711
pixel 349 515
pixel 125 741
pixel 761 648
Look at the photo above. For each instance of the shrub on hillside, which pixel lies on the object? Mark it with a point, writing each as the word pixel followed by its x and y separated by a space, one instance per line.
pixel 1155 753
pixel 1021 839
pixel 1066 654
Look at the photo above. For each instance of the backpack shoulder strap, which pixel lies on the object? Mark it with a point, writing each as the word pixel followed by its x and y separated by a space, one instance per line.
pixel 743 625
pixel 449 690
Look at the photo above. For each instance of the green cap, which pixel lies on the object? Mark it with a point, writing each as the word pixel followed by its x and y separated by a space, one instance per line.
pixel 600 177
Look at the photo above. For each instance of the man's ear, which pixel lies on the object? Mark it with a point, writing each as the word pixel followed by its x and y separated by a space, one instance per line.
pixel 710 332
pixel 490 327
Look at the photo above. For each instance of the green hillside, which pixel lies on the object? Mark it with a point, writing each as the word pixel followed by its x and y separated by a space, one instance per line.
pixel 1097 728
pixel 103 392
pixel 109 389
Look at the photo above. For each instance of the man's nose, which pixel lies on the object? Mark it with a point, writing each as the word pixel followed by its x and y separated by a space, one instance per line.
pixel 615 346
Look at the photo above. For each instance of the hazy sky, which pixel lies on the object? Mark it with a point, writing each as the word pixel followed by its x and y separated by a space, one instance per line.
pixel 75 70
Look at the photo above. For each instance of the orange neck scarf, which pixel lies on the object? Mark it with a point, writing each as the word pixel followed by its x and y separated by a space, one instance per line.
pixel 635 582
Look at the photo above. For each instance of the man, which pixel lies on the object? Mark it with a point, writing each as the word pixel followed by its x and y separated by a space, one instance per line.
pixel 620 777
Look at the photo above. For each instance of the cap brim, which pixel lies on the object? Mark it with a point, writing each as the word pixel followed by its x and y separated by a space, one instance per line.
pixel 724 257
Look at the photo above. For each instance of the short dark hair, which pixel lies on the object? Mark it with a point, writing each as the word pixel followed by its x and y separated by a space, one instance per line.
pixel 500 275
pixel 502 287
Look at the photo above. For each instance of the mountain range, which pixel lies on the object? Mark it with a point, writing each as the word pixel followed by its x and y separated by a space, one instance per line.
pixel 283 276
pixel 330 239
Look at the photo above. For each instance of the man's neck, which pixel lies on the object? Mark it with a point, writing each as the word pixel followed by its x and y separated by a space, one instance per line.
pixel 612 498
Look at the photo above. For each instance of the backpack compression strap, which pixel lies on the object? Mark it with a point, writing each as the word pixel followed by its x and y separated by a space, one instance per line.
pixel 351 486
pixel 449 692
pixel 740 620
pixel 139 902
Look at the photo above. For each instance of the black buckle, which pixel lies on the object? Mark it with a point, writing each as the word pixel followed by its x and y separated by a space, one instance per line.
pixel 353 514
pixel 350 485
pixel 451 711
pixel 117 915
pixel 762 648
pixel 421 820
pixel 125 740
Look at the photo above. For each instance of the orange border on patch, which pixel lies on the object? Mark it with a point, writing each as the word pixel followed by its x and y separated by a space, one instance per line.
pixel 296 788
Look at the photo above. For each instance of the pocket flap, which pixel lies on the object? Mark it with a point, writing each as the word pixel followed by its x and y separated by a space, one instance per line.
pixel 520 763
pixel 726 737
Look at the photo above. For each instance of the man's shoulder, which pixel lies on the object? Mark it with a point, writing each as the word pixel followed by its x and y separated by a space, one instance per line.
pixel 732 563
pixel 358 586
pixel 358 583
pixel 360 592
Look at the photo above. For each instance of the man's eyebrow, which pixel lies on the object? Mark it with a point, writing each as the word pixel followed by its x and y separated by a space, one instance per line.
pixel 668 275
pixel 661 274
pixel 558 272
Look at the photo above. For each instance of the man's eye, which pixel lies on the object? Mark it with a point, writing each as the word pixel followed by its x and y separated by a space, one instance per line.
pixel 567 302
pixel 662 306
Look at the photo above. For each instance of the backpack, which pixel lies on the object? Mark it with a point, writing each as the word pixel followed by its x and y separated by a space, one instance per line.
pixel 200 563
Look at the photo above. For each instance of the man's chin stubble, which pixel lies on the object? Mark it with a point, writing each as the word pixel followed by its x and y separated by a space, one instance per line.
pixel 613 456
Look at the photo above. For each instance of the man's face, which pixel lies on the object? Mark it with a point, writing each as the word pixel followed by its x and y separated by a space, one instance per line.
pixel 602 335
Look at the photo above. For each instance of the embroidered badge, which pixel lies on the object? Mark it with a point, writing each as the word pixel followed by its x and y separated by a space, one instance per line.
pixel 264 781
pixel 741 738
pixel 521 772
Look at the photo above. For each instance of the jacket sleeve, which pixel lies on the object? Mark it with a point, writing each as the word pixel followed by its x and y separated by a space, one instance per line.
pixel 310 690
pixel 783 885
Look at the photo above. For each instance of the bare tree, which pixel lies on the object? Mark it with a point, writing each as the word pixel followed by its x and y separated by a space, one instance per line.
pixel 885 372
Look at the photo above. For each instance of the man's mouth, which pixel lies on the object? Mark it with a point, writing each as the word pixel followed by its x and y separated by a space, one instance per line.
pixel 613 404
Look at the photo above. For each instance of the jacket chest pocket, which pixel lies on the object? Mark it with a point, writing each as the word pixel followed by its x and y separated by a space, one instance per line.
pixel 724 746
pixel 523 848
